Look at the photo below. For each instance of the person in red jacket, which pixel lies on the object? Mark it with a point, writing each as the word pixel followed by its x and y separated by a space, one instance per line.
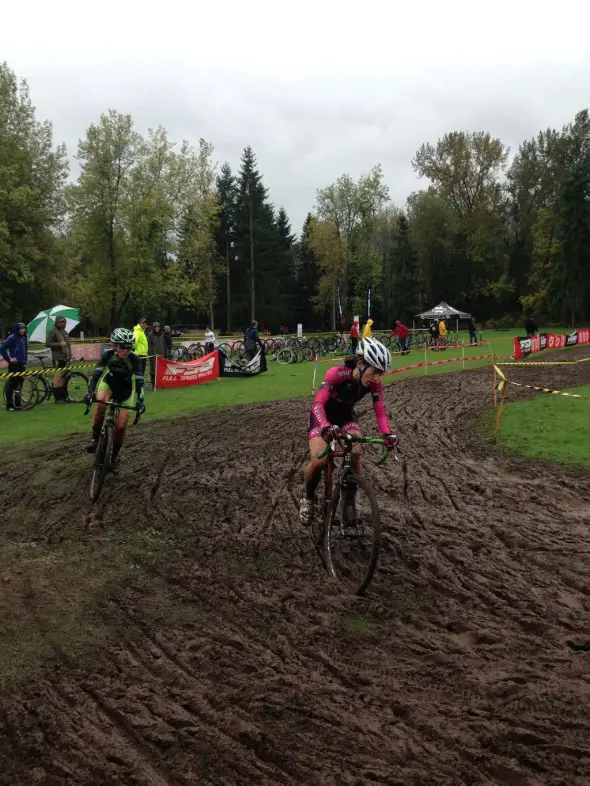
pixel 401 332
pixel 354 336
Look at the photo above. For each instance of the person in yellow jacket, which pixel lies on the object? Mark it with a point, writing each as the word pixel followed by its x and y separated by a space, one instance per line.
pixel 141 342
pixel 367 330
pixel 442 331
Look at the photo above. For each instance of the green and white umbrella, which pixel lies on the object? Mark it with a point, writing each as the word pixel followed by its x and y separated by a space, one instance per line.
pixel 39 327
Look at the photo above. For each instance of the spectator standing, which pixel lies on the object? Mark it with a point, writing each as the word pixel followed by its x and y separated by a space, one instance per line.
pixel 167 341
pixel 141 342
pixel 354 336
pixel 531 327
pixel 156 346
pixel 368 329
pixel 443 332
pixel 434 332
pixel 61 353
pixel 252 340
pixel 472 331
pixel 15 351
pixel 401 332
pixel 209 340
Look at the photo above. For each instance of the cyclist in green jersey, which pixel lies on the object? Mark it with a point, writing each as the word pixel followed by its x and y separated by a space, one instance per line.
pixel 118 376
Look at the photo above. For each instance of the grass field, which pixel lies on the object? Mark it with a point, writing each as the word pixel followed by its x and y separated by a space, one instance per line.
pixel 281 382
pixel 48 421
pixel 552 428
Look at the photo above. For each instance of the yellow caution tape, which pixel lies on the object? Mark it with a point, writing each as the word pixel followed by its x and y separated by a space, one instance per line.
pixel 49 371
pixel 547 363
pixel 548 390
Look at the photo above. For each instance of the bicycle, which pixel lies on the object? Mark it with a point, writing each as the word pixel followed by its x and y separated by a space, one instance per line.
pixel 104 447
pixel 344 519
pixel 75 383
pixel 24 397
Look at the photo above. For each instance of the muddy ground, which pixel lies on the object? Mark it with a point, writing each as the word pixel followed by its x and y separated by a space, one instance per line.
pixel 184 632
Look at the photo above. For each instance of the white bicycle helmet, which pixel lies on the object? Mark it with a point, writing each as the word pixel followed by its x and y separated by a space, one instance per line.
pixel 123 337
pixel 374 353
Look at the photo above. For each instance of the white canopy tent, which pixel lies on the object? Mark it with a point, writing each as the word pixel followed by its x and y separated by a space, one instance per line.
pixel 444 310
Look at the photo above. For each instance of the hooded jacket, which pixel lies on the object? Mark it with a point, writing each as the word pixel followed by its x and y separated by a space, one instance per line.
pixel 156 343
pixel 400 330
pixel 367 331
pixel 141 342
pixel 16 346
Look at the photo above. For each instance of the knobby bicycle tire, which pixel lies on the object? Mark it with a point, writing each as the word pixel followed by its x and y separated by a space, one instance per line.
pixel 29 394
pixel 102 460
pixel 76 396
pixel 375 523
pixel 318 520
pixel 43 388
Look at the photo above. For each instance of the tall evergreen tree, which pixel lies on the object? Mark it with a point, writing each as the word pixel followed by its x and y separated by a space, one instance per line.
pixel 250 200
pixel 307 275
pixel 406 284
pixel 284 268
pixel 226 190
pixel 255 246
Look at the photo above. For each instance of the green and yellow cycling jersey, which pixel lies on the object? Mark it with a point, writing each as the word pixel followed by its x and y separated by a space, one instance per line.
pixel 121 377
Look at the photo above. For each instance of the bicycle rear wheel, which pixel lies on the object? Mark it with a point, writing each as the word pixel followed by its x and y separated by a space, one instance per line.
pixel 28 396
pixel 102 461
pixel 353 533
pixel 77 386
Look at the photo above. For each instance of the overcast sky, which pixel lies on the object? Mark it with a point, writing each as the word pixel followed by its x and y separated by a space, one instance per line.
pixel 317 87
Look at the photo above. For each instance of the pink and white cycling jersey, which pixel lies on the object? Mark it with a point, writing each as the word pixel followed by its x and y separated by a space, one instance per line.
pixel 335 400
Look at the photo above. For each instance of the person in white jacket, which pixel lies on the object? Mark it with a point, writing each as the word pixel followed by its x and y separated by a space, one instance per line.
pixel 209 339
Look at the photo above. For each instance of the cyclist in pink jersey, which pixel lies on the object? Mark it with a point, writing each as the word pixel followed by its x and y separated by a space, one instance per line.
pixel 332 411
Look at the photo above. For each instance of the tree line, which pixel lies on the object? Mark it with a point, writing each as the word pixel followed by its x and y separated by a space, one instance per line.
pixel 153 227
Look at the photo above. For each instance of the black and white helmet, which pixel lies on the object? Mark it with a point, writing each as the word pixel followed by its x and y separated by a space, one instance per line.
pixel 123 337
pixel 374 353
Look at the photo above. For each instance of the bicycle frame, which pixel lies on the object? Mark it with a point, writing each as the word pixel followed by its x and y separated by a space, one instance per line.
pixel 113 406
pixel 346 443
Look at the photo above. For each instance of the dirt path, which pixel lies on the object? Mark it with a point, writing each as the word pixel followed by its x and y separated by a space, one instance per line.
pixel 235 661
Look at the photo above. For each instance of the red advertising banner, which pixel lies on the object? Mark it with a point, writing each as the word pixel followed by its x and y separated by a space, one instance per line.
pixel 535 344
pixel 171 374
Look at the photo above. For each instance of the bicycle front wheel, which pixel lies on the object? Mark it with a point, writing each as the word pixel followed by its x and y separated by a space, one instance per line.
pixel 353 533
pixel 77 387
pixel 102 461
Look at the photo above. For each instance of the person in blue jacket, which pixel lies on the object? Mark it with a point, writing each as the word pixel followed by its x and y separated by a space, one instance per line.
pixel 15 351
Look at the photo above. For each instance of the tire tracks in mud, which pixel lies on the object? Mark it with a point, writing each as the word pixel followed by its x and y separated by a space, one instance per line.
pixel 469 651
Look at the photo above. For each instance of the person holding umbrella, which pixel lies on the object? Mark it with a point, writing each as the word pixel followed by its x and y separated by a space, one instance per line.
pixel 15 351
pixel 58 341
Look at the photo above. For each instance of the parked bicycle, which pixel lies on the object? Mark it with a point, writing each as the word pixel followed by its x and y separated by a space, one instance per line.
pixel 26 396
pixel 104 447
pixel 37 387
pixel 76 384
pixel 346 526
